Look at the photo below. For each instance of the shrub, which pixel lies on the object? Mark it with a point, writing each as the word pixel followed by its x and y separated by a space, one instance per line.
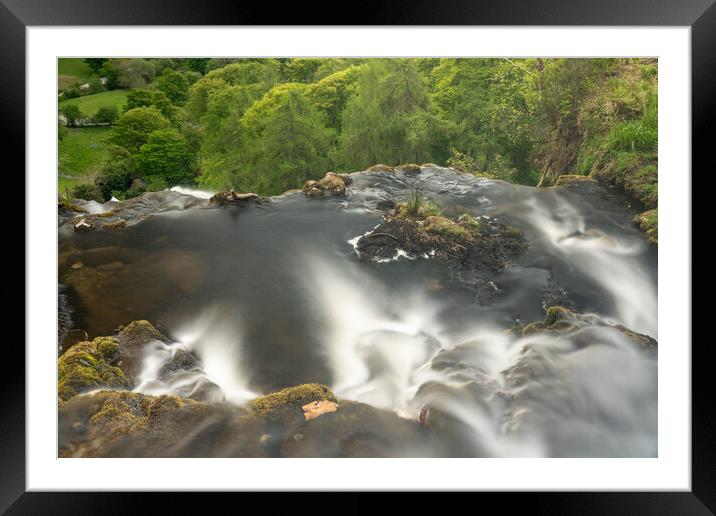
pixel 72 114
pixel 88 192
pixel 106 115
pixel 71 93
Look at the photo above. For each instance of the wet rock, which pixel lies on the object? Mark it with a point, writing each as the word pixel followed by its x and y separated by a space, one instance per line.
pixel 68 208
pixel 332 184
pixel 133 338
pixel 126 213
pixel 385 204
pixel 562 320
pixel 181 360
pixel 233 198
pixel 77 265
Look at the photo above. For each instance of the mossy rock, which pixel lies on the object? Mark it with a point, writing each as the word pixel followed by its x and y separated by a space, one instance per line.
pixel 90 365
pixel 297 396
pixel 332 184
pixel 648 221
pixel 410 168
pixel 380 167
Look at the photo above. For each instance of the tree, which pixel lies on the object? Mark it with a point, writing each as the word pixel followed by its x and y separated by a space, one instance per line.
pixel 95 64
pixel 152 98
pixel 133 73
pixel 116 173
pixel 388 119
pixel 106 115
pixel 287 146
pixel 72 114
pixel 174 85
pixel 132 129
pixel 167 155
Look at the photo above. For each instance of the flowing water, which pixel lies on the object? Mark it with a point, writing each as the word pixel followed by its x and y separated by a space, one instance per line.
pixel 275 295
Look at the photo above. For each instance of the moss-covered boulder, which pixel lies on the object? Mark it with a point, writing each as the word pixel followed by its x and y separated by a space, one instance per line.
pixel 297 396
pixel 90 365
pixel 332 184
pixel 417 228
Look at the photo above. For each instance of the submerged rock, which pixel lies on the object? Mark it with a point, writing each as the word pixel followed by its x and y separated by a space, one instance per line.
pixel 332 184
pixel 561 320
pixel 234 198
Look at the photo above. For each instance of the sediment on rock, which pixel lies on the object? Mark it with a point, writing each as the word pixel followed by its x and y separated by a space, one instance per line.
pixel 234 198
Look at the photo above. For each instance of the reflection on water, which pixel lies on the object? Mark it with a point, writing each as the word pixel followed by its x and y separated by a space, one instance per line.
pixel 274 295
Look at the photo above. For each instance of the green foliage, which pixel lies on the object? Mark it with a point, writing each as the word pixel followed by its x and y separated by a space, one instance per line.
pixel 95 64
pixel 132 129
pixel 174 85
pixel 106 115
pixel 72 114
pixel 166 155
pixel 152 98
pixel 89 192
pixel 90 104
pixel 116 174
pixel 388 119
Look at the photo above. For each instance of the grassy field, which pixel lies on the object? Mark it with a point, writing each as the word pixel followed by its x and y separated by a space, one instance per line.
pixel 71 71
pixel 90 104
pixel 80 153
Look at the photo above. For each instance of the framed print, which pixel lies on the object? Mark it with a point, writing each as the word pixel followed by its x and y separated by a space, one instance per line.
pixel 422 253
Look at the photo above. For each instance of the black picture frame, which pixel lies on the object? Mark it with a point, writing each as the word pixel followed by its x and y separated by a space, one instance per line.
pixel 700 15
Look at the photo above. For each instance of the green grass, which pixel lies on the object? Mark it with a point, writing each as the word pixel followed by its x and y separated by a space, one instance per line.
pixel 90 104
pixel 71 71
pixel 80 154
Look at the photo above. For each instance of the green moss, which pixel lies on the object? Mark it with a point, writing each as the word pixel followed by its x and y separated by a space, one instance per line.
pixel 143 328
pixel 468 220
pixel 130 413
pixel 298 395
pixel 448 228
pixel 572 178
pixel 89 365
